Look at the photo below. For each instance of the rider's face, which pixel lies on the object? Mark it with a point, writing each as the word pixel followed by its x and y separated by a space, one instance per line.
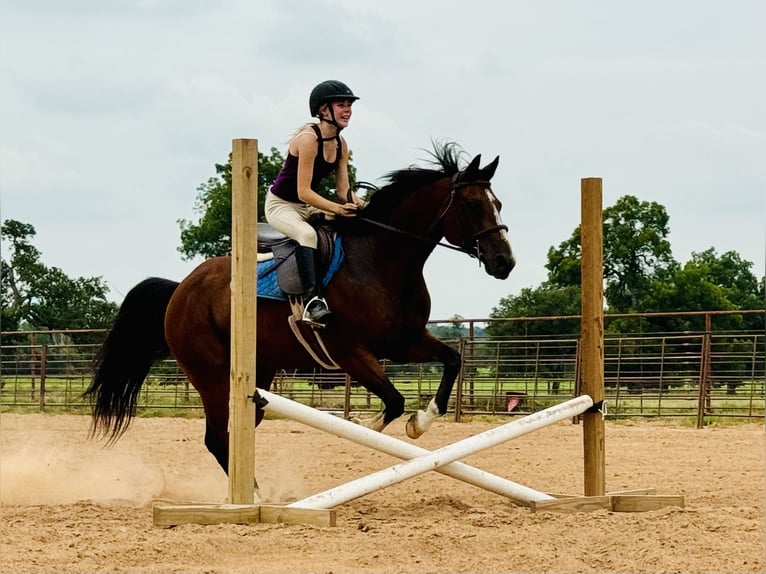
pixel 341 110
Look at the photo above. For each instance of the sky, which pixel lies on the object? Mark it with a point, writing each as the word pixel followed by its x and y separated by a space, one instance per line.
pixel 114 112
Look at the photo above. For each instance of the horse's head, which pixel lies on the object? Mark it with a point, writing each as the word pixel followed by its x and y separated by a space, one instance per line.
pixel 472 218
pixel 426 205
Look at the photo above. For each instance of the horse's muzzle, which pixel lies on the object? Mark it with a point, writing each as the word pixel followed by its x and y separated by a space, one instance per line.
pixel 500 265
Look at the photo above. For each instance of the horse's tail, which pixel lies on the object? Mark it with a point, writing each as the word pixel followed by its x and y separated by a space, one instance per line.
pixel 135 342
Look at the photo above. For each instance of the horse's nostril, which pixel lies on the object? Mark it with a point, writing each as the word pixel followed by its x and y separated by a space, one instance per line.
pixel 506 262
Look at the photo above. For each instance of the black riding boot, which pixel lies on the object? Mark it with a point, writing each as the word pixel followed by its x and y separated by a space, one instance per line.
pixel 315 307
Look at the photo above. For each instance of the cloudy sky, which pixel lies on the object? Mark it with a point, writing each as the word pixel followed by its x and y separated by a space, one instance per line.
pixel 113 112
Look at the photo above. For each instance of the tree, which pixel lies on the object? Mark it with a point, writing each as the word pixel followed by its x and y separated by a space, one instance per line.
pixel 452 330
pixel 635 250
pixel 35 296
pixel 554 347
pixel 211 235
pixel 547 300
pixel 708 282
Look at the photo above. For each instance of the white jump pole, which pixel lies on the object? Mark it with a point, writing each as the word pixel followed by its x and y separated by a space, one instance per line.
pixel 401 449
pixel 443 456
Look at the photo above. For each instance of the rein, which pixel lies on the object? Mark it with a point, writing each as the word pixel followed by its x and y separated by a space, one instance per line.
pixel 456 185
pixel 416 236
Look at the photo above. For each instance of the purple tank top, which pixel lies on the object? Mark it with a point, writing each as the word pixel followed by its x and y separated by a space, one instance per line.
pixel 285 186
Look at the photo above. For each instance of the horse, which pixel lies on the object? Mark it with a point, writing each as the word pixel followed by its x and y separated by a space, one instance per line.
pixel 378 295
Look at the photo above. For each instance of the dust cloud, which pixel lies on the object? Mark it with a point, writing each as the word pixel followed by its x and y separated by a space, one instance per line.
pixel 48 474
pixel 64 465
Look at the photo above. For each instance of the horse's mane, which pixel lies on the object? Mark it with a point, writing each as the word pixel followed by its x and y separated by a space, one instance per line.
pixel 445 160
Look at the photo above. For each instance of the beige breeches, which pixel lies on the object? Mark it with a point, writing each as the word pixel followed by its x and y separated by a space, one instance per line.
pixel 290 218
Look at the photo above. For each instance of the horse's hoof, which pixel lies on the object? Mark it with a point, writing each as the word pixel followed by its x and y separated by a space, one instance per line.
pixel 376 423
pixel 412 427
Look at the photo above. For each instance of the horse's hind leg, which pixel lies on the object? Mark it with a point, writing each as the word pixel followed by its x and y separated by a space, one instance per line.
pixel 215 399
pixel 216 425
pixel 432 349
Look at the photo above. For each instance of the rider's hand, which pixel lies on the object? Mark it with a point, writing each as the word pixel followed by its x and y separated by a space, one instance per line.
pixel 347 209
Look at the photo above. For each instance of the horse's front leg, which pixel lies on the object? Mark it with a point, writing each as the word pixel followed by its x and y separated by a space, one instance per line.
pixel 432 349
pixel 362 365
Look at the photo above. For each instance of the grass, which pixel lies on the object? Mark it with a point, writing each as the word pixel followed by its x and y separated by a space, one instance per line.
pixel 171 396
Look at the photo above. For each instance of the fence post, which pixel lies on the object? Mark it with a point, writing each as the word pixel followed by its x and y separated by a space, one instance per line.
pixel 43 373
pixel 347 397
pixel 459 385
pixel 703 402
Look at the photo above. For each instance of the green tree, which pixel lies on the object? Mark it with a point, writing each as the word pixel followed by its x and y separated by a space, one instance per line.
pixel 211 235
pixel 708 282
pixel 452 330
pixel 35 296
pixel 554 343
pixel 547 300
pixel 635 250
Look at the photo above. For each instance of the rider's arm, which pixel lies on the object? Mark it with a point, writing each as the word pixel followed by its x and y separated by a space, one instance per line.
pixel 304 145
pixel 342 185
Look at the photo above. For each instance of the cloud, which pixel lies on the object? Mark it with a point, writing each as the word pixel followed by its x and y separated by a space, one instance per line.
pixel 115 112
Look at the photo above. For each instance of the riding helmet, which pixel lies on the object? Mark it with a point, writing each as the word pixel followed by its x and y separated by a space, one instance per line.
pixel 328 91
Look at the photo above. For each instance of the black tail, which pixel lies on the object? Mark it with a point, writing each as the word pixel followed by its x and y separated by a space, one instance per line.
pixel 135 342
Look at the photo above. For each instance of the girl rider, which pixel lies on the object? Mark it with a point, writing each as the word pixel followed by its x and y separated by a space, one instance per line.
pixel 314 152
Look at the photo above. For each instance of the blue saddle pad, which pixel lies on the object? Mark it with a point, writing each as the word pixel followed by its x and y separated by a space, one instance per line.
pixel 268 287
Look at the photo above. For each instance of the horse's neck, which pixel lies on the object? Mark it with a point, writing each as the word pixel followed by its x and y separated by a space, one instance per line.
pixel 396 255
pixel 412 233
pixel 387 276
pixel 408 244
pixel 418 218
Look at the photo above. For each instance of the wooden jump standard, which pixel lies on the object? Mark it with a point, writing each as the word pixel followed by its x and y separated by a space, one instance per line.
pixel 592 374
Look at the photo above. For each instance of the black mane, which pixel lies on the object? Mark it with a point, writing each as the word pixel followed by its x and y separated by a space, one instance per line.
pixel 445 158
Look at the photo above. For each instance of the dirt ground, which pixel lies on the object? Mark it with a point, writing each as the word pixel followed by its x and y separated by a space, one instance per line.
pixel 70 505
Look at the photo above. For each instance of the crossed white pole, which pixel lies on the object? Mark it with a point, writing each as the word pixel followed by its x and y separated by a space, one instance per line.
pixel 420 460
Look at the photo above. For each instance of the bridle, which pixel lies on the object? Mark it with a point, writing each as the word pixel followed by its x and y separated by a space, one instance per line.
pixel 470 248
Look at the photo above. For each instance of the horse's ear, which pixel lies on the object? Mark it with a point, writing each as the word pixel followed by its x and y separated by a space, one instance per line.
pixel 473 167
pixel 489 170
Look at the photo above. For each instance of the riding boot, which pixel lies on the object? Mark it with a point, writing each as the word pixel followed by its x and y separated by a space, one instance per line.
pixel 315 307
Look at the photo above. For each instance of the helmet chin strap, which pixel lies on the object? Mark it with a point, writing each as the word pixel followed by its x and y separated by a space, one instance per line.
pixel 332 119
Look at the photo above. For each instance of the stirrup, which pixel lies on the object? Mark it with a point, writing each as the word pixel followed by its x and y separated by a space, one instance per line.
pixel 316 312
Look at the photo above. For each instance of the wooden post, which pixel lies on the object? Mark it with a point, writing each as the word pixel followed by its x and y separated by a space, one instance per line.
pixel 244 232
pixel 703 400
pixel 241 508
pixel 590 376
pixel 592 333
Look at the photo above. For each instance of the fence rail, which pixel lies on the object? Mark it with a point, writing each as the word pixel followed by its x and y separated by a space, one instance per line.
pixel 701 376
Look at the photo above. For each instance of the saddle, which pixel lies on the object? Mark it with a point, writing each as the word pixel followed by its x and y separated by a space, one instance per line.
pixel 276 253
pixel 278 249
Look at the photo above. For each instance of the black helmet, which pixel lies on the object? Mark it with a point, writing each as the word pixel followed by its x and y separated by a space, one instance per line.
pixel 328 91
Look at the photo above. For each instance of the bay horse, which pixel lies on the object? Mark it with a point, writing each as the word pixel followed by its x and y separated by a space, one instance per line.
pixel 379 299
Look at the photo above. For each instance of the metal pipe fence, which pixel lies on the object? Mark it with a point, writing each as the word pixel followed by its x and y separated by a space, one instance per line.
pixel 700 376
